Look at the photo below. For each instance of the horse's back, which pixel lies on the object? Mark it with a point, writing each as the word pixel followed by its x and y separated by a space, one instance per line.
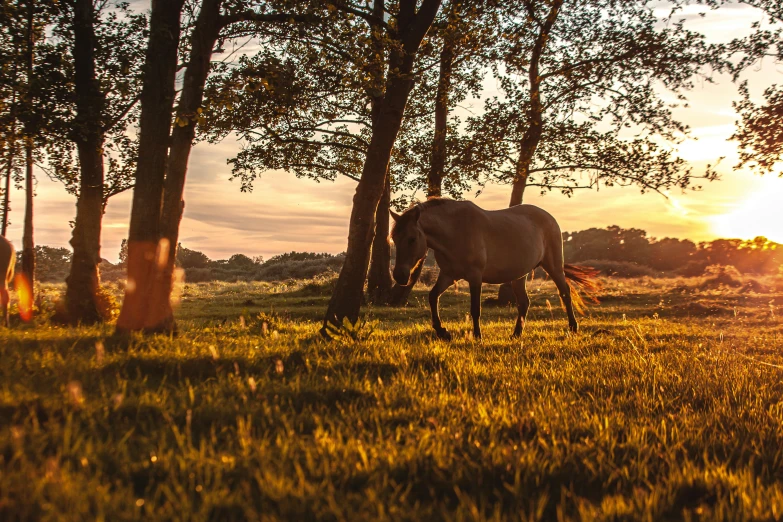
pixel 517 239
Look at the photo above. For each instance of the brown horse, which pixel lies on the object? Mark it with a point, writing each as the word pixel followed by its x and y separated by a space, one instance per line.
pixel 485 246
pixel 7 262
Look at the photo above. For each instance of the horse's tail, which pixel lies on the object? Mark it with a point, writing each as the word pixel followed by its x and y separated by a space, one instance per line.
pixel 584 278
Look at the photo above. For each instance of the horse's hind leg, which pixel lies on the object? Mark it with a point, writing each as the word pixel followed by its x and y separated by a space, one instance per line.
pixel 441 285
pixel 523 304
pixel 558 276
pixel 475 308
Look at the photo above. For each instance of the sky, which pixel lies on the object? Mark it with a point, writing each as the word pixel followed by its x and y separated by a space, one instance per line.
pixel 284 213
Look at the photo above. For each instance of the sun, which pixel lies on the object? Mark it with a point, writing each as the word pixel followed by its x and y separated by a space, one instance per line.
pixel 760 214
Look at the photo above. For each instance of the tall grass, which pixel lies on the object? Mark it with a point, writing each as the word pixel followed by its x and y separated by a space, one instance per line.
pixel 649 414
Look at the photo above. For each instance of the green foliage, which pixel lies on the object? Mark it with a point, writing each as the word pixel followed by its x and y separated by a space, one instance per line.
pixel 187 258
pixel 120 35
pixel 585 93
pixel 683 399
pixel 52 264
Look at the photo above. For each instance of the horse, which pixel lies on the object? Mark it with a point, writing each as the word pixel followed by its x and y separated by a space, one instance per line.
pixel 7 262
pixel 485 246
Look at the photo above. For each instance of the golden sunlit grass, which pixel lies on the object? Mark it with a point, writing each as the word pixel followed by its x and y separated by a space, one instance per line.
pixel 668 405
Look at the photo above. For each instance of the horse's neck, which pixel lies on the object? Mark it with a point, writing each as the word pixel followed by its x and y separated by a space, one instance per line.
pixel 436 229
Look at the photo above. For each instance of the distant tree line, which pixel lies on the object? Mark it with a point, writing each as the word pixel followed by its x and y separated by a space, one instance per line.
pixel 623 252
pixel 669 255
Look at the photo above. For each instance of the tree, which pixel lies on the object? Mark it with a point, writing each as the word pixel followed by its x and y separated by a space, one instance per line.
pixel 187 258
pixel 312 114
pixel 140 310
pixel 29 128
pixel 464 36
pixel 409 30
pixel 759 132
pixel 93 71
pixel 157 197
pixel 11 84
pixel 580 106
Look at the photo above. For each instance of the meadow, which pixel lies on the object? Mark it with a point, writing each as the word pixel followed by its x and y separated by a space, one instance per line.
pixel 668 405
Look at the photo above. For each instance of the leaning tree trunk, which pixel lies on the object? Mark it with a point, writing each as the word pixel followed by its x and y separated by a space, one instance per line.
pixel 411 28
pixel 379 281
pixel 83 282
pixel 28 244
pixel 532 136
pixel 400 294
pixel 347 296
pixel 204 37
pixel 146 260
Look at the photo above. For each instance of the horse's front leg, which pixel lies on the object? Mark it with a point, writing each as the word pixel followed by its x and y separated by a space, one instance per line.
pixel 475 307
pixel 441 285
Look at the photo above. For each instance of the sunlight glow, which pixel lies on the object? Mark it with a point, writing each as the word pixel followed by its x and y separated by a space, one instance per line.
pixel 759 214
pixel 25 295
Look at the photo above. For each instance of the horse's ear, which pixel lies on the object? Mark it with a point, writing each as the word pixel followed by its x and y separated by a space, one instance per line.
pixel 395 216
pixel 416 212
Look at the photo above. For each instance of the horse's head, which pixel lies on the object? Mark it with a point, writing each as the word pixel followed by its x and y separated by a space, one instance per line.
pixel 410 242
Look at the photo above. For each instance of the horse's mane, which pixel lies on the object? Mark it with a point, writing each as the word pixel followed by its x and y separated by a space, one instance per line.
pixel 434 202
pixel 422 206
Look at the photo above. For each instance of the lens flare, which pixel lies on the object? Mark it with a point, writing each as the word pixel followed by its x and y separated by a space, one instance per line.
pixel 24 293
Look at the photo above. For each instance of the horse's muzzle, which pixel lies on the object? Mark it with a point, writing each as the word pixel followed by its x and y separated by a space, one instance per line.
pixel 402 277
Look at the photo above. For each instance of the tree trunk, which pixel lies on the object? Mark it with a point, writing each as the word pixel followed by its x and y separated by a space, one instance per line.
pixel 379 281
pixel 204 37
pixel 438 157
pixel 10 159
pixel 347 297
pixel 400 294
pixel 83 282
pixel 7 189
pixel 28 244
pixel 532 136
pixel 146 260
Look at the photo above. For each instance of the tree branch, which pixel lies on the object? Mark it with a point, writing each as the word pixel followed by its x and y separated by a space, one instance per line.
pixel 252 16
pixel 325 167
pixel 122 114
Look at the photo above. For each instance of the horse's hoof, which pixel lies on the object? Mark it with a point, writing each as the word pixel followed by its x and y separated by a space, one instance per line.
pixel 574 328
pixel 443 335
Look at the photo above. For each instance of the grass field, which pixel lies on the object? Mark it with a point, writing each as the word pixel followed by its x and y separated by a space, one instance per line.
pixel 668 405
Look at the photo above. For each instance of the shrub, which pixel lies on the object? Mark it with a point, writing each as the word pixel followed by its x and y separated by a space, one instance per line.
pixel 620 268
pixel 429 276
pixel 276 270
pixel 241 261
pixel 198 275
pixel 187 258
pixel 320 286
pixel 720 276
pixel 692 269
